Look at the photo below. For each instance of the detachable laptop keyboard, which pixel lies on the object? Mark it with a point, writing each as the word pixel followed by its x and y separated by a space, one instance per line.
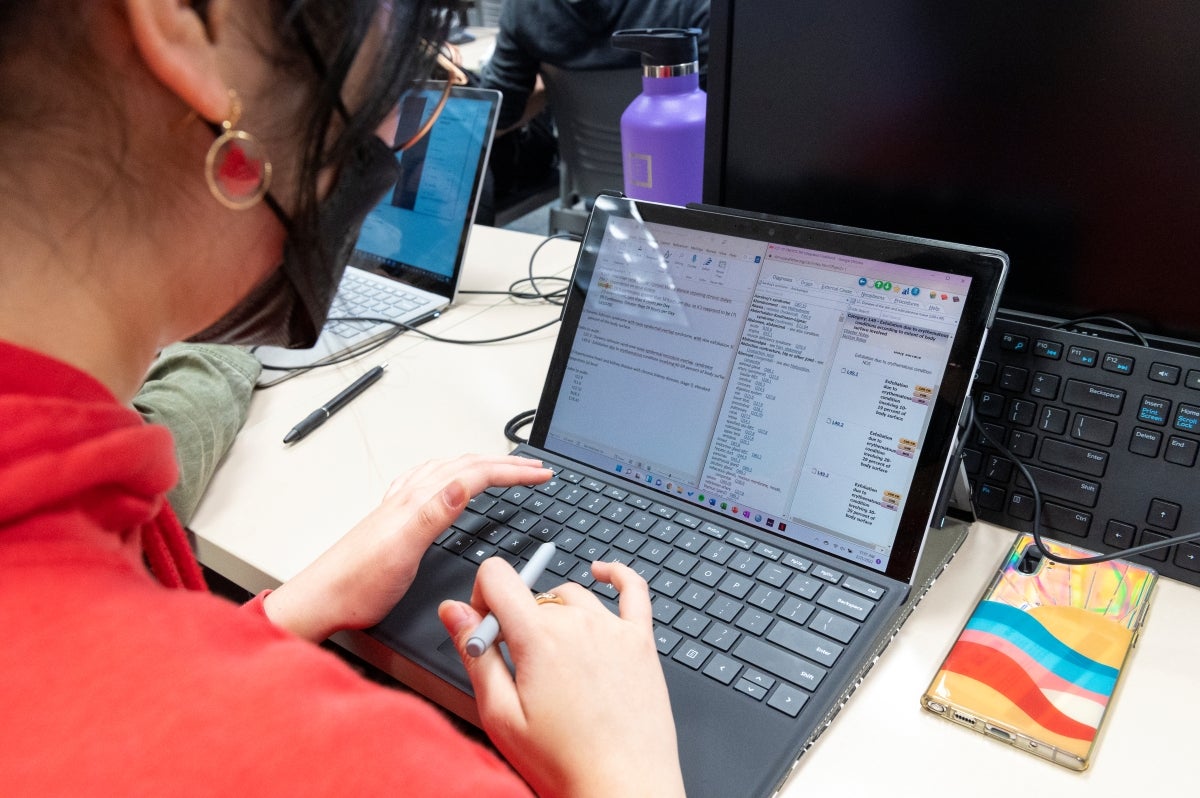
pixel 762 620
pixel 1110 432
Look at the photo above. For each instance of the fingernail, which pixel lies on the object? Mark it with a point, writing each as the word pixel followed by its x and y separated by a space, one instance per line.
pixel 453 615
pixel 455 495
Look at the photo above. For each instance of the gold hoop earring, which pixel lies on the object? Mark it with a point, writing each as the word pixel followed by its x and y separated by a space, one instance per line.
pixel 236 167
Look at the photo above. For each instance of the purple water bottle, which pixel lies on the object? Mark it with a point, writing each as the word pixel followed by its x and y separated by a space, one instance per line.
pixel 662 130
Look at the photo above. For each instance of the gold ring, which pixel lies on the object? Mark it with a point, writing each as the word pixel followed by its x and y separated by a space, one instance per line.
pixel 548 598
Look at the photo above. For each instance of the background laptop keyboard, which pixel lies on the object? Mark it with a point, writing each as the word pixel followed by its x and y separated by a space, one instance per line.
pixel 762 620
pixel 1110 431
pixel 359 295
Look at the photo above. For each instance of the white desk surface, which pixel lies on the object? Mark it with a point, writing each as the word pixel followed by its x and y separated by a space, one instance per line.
pixel 271 509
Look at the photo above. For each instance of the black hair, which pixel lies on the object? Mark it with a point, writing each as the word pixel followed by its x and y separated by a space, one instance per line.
pixel 313 43
pixel 318 42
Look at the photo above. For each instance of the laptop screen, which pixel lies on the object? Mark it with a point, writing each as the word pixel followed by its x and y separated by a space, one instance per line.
pixel 420 229
pixel 788 382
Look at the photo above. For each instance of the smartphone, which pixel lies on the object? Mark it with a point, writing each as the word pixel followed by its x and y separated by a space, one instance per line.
pixel 1038 662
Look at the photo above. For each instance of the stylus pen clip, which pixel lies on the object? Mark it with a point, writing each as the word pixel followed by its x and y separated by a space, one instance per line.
pixel 323 413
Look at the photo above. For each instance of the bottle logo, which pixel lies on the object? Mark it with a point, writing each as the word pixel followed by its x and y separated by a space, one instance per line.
pixel 639 169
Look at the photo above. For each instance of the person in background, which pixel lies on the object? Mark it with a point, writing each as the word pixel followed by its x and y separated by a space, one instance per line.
pixel 573 34
pixel 196 171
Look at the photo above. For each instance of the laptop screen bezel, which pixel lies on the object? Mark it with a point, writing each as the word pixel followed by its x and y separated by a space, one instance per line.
pixel 414 274
pixel 986 268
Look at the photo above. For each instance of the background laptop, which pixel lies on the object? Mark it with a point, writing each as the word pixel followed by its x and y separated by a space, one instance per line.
pixel 409 255
pixel 757 415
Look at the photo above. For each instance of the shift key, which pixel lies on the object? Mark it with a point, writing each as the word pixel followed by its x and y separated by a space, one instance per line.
pixel 779 663
pixel 1052 483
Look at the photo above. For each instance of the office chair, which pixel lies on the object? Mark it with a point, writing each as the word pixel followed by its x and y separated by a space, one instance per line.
pixel 587 107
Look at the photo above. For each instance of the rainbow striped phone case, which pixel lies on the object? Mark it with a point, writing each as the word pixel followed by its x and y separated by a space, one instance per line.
pixel 1039 660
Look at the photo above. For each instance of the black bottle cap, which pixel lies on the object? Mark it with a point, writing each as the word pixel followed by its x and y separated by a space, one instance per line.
pixel 660 46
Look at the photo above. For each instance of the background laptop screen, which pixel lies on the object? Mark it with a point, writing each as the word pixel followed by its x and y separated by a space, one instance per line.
pixel 787 387
pixel 416 232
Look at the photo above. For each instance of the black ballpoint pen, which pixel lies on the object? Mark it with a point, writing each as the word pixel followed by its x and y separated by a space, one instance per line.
pixel 319 416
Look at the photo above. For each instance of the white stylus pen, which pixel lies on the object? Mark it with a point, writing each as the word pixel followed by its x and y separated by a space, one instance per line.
pixel 485 633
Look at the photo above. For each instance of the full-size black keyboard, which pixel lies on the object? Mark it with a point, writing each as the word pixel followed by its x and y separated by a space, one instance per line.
pixel 1110 432
pixel 753 616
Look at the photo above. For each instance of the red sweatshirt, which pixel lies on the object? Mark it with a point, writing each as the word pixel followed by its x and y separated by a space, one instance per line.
pixel 113 683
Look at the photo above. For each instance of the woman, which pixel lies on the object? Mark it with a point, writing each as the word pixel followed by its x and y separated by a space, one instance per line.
pixel 172 171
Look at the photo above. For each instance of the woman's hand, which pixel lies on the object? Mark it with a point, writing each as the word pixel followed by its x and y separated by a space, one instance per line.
pixel 588 713
pixel 356 582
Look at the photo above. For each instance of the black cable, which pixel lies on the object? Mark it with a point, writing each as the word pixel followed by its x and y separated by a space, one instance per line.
pixel 556 297
pixel 515 423
pixel 1112 320
pixel 1037 511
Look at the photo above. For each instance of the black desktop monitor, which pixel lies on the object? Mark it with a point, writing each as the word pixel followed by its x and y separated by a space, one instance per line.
pixel 1065 133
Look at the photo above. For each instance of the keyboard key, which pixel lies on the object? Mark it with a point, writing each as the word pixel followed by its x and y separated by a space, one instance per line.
pixel 828 574
pixel 746 563
pixel 691 623
pixel 1013 378
pixel 1187 419
pixel 765 597
pixel 857 607
pixel 1118 364
pixel 867 589
pixel 718 551
pixel 1163 514
pixel 681 562
pixel 1181 451
pixel 1145 442
pixel 1066 519
pixel 665 610
pixel 796 610
pixel 1094 397
pixel 1150 536
pixel 582 573
pixel 1048 349
pixel 736 585
pixel 751 689
pixel 779 663
pixel 1077 458
pixel 1045 386
pixel 835 626
pixel 1082 356
pixel 665 640
pixel 1073 489
pixel 695 596
pixel 797 562
pixel 722 668
pixel 1154 410
pixel 707 574
pixel 1054 420
pixel 1187 555
pixel 720 636
pixel 787 700
pixel 1093 430
pixel 805 643
pixel 724 608
pixel 803 586
pixel 667 584
pixel 1119 534
pixel 691 654
pixel 1021 505
pixel 774 575
pixel 753 621
pixel 1163 372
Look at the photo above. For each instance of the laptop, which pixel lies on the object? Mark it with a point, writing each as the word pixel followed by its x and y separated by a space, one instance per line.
pixel 406 264
pixel 759 416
